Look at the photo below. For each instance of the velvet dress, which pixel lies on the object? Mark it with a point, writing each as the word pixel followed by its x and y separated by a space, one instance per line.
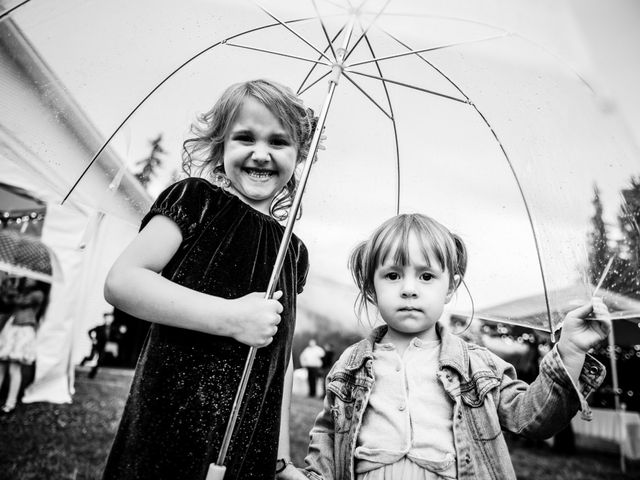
pixel 185 381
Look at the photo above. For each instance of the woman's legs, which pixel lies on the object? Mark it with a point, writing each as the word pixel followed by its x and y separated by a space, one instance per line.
pixel 3 368
pixel 15 380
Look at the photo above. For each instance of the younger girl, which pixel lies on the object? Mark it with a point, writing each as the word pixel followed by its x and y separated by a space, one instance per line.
pixel 196 270
pixel 414 401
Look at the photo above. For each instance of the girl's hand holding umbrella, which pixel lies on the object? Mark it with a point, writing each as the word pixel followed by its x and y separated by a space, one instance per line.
pixel 583 329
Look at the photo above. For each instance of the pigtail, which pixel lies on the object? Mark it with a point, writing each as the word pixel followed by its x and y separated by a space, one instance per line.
pixel 461 255
pixel 358 267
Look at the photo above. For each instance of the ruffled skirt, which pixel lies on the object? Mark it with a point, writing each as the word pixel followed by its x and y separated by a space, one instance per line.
pixel 18 343
pixel 403 469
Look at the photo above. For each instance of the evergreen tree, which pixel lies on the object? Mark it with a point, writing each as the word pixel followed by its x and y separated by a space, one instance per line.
pixel 150 163
pixel 627 265
pixel 599 250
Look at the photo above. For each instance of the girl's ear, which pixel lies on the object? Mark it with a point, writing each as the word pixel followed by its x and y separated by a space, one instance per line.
pixel 456 283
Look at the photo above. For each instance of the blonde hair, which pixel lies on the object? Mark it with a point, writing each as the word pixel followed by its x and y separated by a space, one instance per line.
pixel 205 150
pixel 392 238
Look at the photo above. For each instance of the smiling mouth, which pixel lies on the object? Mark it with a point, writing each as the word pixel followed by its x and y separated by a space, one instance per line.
pixel 259 174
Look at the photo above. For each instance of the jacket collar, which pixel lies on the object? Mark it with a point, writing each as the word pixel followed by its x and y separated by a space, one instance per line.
pixel 454 353
pixel 363 350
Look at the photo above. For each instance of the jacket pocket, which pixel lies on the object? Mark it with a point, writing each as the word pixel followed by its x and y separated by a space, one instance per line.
pixel 481 410
pixel 343 405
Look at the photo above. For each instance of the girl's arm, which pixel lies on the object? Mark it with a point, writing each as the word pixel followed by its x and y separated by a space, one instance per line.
pixel 320 461
pixel 134 285
pixel 290 472
pixel 567 376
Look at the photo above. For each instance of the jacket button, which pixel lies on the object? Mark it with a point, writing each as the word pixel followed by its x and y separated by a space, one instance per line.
pixel 593 370
pixel 401 407
pixel 459 414
pixel 467 458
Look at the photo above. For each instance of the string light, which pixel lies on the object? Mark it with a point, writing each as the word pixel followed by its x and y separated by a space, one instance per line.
pixel 7 217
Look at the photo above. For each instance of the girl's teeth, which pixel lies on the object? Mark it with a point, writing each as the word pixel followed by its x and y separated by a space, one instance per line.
pixel 259 174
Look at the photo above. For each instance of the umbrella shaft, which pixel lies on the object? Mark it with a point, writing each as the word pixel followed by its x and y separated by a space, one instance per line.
pixel 282 251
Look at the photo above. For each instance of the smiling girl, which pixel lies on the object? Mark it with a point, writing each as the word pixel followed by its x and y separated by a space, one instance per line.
pixel 415 402
pixel 197 270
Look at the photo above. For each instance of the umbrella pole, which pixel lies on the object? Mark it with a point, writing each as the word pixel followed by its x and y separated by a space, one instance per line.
pixel 217 470
pixel 616 397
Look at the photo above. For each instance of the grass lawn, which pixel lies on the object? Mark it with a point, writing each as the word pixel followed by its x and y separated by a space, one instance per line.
pixel 56 442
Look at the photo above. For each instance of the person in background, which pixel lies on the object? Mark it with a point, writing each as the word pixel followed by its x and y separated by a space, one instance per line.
pixel 311 359
pixel 99 336
pixel 18 337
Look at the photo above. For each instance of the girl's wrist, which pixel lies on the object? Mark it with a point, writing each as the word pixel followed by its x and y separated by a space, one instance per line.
pixel 570 352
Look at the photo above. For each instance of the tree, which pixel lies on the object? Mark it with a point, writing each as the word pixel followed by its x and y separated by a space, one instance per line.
pixel 627 265
pixel 599 250
pixel 624 276
pixel 150 163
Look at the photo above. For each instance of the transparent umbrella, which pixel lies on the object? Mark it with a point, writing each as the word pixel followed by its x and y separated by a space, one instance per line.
pixel 27 256
pixel 462 111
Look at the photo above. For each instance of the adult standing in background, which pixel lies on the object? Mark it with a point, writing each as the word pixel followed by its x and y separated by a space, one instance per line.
pixel 18 337
pixel 311 359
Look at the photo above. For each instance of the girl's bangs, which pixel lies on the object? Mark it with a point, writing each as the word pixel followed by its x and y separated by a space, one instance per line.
pixel 394 242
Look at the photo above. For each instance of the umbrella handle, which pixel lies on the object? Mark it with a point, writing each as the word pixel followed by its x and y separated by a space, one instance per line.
pixel 216 472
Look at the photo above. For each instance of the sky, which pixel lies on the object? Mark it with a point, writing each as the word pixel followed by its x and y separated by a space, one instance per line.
pixel 573 59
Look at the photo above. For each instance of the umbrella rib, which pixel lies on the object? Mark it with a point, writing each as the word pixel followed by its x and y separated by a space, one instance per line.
pixel 529 216
pixel 154 89
pixel 273 52
pixel 513 172
pixel 326 34
pixel 366 30
pixel 395 126
pixel 300 88
pixel 423 50
pixel 300 92
pixel 355 84
pixel 284 24
pixel 12 9
pixel 414 87
pixel 430 64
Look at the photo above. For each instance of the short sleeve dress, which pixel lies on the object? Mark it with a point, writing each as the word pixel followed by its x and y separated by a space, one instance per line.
pixel 185 381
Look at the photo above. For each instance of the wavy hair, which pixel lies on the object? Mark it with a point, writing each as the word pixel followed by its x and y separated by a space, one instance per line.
pixel 392 238
pixel 204 150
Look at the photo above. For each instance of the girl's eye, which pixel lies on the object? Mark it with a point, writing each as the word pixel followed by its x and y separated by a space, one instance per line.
pixel 426 277
pixel 243 137
pixel 392 276
pixel 280 142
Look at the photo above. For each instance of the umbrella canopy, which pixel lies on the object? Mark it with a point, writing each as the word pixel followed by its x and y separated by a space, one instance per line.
pixel 478 122
pixel 27 256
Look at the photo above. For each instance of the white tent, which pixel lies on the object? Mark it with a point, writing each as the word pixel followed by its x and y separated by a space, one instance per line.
pixel 85 240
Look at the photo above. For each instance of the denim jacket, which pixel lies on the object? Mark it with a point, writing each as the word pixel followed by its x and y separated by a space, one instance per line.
pixel 487 399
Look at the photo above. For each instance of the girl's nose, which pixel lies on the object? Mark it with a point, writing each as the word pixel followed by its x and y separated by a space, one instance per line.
pixel 260 154
pixel 409 288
